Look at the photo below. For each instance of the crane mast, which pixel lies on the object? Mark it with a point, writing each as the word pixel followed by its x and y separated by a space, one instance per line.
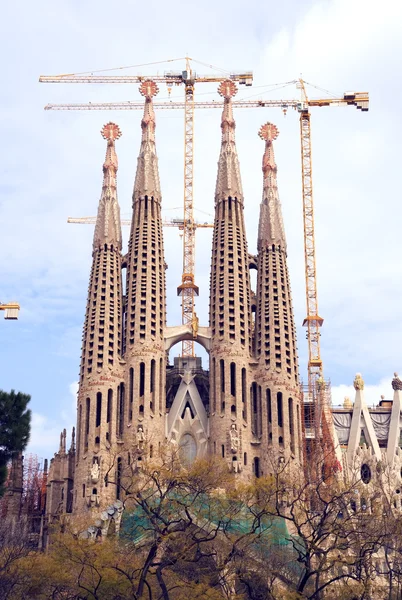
pixel 188 290
pixel 313 321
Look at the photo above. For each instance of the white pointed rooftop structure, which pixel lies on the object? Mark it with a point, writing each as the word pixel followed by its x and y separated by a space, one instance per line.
pixel 147 176
pixel 270 228
pixel 361 421
pixel 108 225
pixel 395 424
pixel 228 183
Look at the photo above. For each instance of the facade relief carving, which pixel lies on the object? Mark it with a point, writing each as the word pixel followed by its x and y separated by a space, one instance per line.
pixel 140 439
pixel 95 471
pixel 234 439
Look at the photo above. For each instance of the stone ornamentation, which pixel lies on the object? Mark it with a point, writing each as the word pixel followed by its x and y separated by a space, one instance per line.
pixel 140 438
pixel 396 382
pixel 95 472
pixel 358 382
pixel 194 325
pixel 234 439
pixel 248 407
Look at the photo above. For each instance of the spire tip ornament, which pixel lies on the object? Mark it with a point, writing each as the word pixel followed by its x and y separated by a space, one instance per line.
pixel 358 382
pixel 270 229
pixel 268 132
pixel 148 88
pixel 227 89
pixel 396 382
pixel 111 132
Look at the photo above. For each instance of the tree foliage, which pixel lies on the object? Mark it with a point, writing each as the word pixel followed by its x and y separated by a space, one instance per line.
pixel 15 426
pixel 196 533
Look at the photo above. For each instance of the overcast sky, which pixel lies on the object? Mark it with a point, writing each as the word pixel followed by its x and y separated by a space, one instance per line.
pixel 51 168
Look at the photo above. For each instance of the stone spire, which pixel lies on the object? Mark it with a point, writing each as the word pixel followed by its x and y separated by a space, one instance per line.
pixel 101 364
pixel 14 487
pixel 230 303
pixel 108 226
pixel 228 182
pixel 147 177
pixel 270 229
pixel 72 446
pixel 104 295
pixel 230 312
pixel 145 314
pixel 275 335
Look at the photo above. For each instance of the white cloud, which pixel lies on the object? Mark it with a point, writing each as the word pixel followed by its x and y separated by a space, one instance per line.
pixel 45 430
pixel 45 435
pixel 336 38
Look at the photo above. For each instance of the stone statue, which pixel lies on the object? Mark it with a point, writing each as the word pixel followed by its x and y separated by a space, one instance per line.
pixel 347 403
pixel 396 382
pixel 95 472
pixel 320 382
pixel 234 439
pixel 140 438
pixel 194 325
pixel 358 382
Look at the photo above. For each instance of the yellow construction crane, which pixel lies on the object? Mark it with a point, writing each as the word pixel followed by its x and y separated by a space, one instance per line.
pixel 166 223
pixel 313 321
pixel 11 310
pixel 360 100
pixel 187 290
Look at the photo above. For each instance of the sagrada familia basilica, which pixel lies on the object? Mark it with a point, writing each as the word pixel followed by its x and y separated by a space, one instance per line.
pixel 248 408
pixel 130 400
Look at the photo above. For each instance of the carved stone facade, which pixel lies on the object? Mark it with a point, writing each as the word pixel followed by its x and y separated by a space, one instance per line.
pixel 246 408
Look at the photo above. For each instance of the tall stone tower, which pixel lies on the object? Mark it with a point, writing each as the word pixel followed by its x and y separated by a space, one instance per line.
pixel 142 405
pixel 101 371
pixel 231 421
pixel 275 335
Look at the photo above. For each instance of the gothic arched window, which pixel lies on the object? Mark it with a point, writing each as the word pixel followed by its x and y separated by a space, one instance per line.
pixel 365 473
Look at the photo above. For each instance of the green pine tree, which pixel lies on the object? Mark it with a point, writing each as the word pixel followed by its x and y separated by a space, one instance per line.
pixel 15 427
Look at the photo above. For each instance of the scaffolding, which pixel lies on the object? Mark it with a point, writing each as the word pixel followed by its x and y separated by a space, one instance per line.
pixel 318 437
